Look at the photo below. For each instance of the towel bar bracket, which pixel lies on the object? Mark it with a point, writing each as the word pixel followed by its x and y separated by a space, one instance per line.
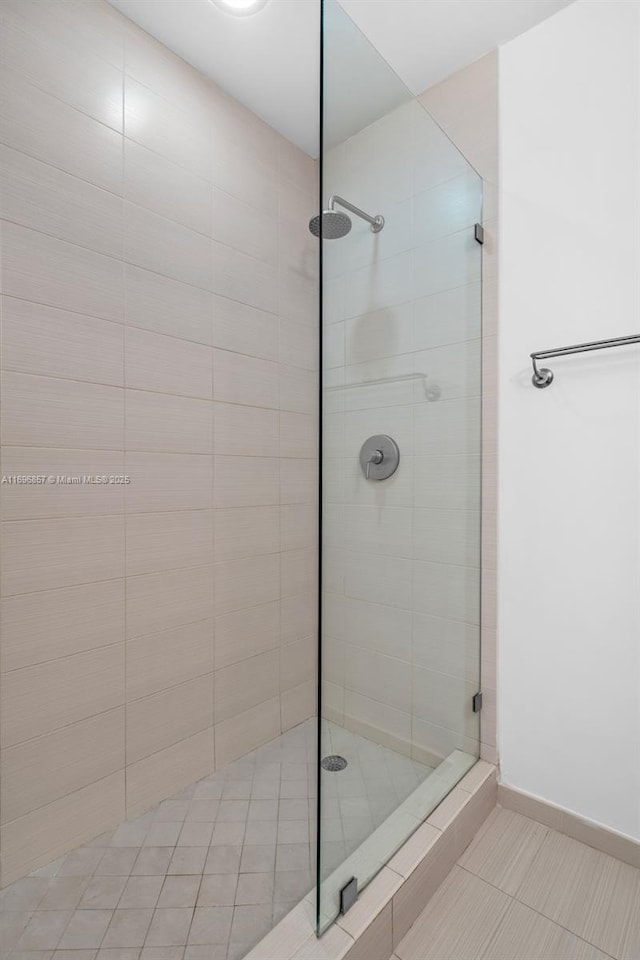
pixel 542 376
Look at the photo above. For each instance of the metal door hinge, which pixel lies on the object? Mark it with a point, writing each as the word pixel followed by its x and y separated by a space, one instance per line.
pixel 479 233
pixel 348 894
pixel 476 702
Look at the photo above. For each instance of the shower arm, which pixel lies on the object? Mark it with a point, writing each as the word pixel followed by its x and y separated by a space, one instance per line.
pixel 377 223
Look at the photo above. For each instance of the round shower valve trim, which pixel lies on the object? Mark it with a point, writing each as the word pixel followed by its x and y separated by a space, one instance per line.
pixel 379 457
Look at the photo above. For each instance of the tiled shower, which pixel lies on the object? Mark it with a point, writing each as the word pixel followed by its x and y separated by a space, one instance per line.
pixel 159 308
pixel 171 334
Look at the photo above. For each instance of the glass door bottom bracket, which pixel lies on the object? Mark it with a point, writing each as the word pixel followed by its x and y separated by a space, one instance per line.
pixel 348 895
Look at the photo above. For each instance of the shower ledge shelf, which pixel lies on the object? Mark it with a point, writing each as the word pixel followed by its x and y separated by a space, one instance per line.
pixel 402 378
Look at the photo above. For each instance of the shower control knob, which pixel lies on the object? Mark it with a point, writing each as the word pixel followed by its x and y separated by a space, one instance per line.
pixel 379 457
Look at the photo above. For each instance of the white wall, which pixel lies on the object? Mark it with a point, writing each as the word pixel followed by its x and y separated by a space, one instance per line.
pixel 569 609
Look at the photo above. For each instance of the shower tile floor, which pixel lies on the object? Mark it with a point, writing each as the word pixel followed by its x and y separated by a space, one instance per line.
pixel 207 873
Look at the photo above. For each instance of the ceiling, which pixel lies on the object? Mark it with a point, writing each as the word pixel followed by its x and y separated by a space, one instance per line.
pixel 433 38
pixel 269 61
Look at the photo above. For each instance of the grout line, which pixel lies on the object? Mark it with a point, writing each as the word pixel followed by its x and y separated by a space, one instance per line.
pixel 113 643
pixel 497 928
pixel 182 396
pixel 126 498
pixel 513 898
pixel 213 500
pixel 145 269
pixel 65 726
pixel 122 196
pixel 124 322
pixel 64 797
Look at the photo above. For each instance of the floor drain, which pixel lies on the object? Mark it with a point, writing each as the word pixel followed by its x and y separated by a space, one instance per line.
pixel 333 763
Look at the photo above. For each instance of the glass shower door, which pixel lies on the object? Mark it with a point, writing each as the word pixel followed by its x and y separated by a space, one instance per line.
pixel 400 449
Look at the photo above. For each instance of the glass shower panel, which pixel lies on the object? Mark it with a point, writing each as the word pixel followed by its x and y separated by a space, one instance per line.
pixel 401 369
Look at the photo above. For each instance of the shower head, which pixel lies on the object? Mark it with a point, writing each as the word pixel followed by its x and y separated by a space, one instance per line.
pixel 332 224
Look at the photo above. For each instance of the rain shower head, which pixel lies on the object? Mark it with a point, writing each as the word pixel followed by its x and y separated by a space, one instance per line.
pixel 332 224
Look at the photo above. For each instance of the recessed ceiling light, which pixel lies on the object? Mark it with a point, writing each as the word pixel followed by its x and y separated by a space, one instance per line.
pixel 241 8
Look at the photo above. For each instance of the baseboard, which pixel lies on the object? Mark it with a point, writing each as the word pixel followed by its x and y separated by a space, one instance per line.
pixel 594 834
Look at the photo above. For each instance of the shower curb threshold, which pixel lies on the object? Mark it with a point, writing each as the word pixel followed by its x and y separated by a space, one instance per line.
pixel 393 900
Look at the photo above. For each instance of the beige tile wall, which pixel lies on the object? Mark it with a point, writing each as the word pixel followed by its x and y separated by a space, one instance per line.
pixel 466 107
pixel 374 615
pixel 402 572
pixel 158 321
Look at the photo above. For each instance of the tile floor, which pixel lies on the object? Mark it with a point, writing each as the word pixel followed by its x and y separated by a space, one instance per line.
pixel 207 873
pixel 524 892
